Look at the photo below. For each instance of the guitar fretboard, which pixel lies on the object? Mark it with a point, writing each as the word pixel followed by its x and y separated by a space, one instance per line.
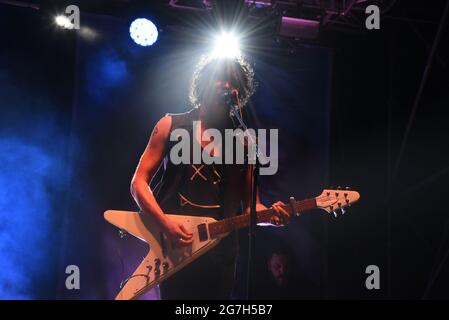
pixel 241 221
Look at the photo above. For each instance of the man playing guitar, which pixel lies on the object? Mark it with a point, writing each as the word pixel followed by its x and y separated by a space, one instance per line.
pixel 214 190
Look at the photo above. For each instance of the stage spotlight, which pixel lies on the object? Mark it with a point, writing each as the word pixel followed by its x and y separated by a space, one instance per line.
pixel 226 46
pixel 63 22
pixel 143 32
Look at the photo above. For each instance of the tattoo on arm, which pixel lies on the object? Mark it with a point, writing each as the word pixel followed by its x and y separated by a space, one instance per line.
pixel 155 131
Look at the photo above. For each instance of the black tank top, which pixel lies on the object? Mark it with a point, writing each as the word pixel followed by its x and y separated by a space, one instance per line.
pixel 213 190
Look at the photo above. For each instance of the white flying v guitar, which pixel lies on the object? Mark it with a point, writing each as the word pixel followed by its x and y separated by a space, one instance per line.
pixel 163 260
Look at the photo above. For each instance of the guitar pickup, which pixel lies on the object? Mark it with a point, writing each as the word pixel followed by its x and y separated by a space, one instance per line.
pixel 202 232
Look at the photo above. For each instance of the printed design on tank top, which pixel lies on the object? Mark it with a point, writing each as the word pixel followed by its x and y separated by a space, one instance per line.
pixel 184 201
pixel 197 172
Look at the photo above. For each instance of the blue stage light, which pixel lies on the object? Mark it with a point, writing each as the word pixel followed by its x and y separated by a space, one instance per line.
pixel 143 32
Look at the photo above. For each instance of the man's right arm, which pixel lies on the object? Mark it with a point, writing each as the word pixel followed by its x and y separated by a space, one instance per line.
pixel 147 167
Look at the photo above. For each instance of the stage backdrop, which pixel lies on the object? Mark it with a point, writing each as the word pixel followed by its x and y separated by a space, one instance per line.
pixel 121 90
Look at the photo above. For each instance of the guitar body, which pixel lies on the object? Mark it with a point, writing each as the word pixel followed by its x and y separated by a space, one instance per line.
pixel 163 260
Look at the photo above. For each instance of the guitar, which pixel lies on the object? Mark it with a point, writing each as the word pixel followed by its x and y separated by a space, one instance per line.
pixel 163 259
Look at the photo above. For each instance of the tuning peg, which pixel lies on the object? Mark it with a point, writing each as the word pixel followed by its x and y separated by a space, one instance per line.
pixel 335 214
pixel 339 188
pixel 343 210
pixel 347 188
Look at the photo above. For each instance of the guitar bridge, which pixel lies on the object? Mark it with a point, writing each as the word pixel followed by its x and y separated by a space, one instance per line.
pixel 163 244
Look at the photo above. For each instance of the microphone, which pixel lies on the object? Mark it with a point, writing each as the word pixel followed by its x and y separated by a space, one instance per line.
pixel 230 98
pixel 235 97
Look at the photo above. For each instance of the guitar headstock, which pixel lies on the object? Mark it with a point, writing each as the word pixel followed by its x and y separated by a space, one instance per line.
pixel 332 200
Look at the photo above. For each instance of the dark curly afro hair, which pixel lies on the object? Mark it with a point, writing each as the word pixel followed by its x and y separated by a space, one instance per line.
pixel 235 70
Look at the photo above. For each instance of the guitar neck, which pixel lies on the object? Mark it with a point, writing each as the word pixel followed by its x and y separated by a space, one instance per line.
pixel 241 221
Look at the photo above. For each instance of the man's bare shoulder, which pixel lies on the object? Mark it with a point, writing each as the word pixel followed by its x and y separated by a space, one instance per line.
pixel 162 127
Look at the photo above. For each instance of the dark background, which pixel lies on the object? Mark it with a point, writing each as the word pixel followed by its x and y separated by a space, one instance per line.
pixel 76 115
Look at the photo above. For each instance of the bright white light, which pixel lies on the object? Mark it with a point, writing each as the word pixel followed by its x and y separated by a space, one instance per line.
pixel 226 46
pixel 143 32
pixel 64 22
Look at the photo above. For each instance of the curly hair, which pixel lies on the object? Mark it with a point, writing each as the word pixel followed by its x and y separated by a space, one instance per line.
pixel 237 71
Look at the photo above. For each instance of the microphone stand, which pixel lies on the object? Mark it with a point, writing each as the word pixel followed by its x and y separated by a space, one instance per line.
pixel 252 143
